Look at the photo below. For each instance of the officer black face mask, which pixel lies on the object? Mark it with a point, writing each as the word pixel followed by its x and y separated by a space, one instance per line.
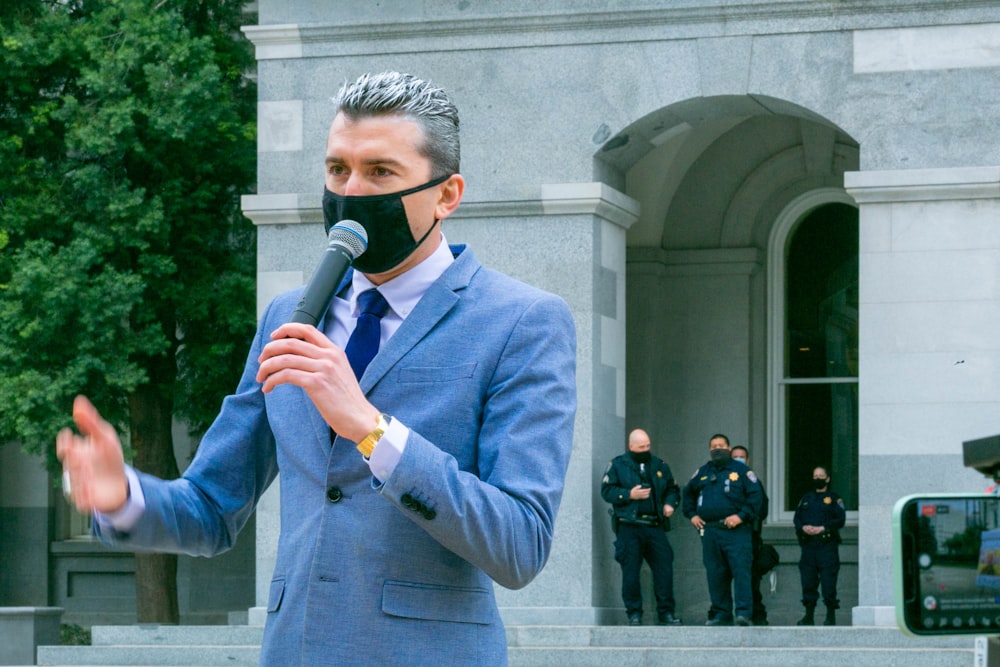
pixel 720 455
pixel 390 240
pixel 819 483
pixel 640 457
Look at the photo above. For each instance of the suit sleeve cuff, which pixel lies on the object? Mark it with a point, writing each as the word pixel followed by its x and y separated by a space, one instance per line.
pixel 122 520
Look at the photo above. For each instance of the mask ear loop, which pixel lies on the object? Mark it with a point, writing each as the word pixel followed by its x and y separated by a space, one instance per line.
pixel 391 195
pixel 429 230
pixel 436 181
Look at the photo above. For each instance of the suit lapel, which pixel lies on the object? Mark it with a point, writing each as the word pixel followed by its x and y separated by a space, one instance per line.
pixel 439 299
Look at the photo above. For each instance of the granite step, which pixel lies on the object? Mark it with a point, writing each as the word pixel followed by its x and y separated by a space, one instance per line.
pixel 545 646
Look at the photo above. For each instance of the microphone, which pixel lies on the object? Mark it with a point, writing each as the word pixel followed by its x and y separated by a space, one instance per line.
pixel 348 240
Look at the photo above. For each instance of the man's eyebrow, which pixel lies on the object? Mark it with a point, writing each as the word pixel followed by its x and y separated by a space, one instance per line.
pixel 334 159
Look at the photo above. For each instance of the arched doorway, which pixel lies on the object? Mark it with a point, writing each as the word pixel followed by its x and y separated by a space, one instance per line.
pixel 714 177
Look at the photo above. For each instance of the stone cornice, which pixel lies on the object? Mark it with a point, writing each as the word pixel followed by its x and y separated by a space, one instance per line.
pixel 886 187
pixel 660 23
pixel 554 199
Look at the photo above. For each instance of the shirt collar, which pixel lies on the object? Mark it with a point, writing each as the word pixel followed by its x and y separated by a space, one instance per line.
pixel 405 290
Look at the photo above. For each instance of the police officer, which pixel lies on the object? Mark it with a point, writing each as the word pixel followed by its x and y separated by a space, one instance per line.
pixel 818 520
pixel 759 617
pixel 643 496
pixel 722 499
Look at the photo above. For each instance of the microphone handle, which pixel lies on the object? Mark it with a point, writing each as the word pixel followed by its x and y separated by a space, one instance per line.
pixel 322 285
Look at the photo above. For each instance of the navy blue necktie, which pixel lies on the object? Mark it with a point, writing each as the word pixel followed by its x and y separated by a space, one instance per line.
pixel 363 344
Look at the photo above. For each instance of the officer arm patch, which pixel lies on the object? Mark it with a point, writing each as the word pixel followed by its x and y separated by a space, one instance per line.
pixel 751 476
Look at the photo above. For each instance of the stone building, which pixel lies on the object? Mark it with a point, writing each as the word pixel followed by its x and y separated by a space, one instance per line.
pixel 779 220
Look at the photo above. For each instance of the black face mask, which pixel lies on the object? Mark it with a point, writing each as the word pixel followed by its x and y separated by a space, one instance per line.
pixel 720 455
pixel 640 457
pixel 390 240
pixel 819 483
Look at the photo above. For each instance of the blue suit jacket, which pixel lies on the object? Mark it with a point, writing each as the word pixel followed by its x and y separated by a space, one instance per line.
pixel 398 573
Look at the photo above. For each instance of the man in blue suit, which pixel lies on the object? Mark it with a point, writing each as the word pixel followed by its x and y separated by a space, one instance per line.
pixel 463 419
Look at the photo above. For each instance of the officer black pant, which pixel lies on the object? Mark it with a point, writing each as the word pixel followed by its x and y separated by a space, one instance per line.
pixel 728 556
pixel 633 544
pixel 820 564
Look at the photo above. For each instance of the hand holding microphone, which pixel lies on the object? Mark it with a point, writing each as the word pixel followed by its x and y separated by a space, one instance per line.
pixel 301 355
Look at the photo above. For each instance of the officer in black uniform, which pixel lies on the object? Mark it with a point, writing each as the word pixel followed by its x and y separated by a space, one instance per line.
pixel 818 520
pixel 722 499
pixel 759 617
pixel 643 496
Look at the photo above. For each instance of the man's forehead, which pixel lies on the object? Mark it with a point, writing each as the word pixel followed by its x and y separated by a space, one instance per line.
pixel 376 123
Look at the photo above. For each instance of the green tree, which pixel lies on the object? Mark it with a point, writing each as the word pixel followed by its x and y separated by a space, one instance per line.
pixel 127 134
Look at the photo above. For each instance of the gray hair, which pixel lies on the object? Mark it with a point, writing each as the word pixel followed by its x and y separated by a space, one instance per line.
pixel 403 94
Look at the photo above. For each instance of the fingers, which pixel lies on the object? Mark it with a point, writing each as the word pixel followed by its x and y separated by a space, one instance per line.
pixel 296 347
pixel 75 453
pixel 64 441
pixel 312 366
pixel 304 332
pixel 93 464
pixel 91 424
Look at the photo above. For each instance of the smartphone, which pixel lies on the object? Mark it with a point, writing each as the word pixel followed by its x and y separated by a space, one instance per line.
pixel 946 554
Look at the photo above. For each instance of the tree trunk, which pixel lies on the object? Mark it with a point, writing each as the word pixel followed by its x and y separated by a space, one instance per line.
pixel 151 414
pixel 156 588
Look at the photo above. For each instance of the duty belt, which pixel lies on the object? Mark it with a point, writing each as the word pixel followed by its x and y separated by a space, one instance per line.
pixel 643 521
pixel 721 523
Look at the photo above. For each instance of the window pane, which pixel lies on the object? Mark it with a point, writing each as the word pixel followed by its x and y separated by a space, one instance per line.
pixel 822 430
pixel 822 295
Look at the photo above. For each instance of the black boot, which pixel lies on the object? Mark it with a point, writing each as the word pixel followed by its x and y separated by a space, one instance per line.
pixel 808 619
pixel 831 616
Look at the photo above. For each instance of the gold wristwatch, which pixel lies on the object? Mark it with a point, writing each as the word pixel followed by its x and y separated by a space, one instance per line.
pixel 367 444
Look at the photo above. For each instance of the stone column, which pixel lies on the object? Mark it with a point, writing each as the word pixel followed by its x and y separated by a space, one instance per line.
pixel 284 222
pixel 570 240
pixel 929 313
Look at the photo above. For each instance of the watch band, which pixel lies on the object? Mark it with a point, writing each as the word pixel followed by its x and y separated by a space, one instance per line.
pixel 367 444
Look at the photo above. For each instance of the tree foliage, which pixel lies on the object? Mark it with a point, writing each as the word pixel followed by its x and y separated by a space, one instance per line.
pixel 126 138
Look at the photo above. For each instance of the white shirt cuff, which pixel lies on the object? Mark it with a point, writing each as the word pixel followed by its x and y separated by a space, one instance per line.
pixel 125 518
pixel 389 449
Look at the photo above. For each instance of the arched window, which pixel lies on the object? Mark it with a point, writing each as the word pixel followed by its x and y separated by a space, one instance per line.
pixel 813 351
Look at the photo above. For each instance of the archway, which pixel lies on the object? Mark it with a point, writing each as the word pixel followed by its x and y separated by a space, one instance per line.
pixel 714 176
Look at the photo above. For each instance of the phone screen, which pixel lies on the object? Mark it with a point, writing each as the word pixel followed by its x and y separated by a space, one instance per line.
pixel 948 564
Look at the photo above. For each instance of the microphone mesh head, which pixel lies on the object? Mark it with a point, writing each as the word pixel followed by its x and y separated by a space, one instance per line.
pixel 349 235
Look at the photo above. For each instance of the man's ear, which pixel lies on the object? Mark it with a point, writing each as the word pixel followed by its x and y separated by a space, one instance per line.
pixel 451 194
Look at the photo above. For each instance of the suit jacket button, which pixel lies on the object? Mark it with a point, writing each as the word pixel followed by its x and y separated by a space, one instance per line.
pixel 429 514
pixel 334 494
